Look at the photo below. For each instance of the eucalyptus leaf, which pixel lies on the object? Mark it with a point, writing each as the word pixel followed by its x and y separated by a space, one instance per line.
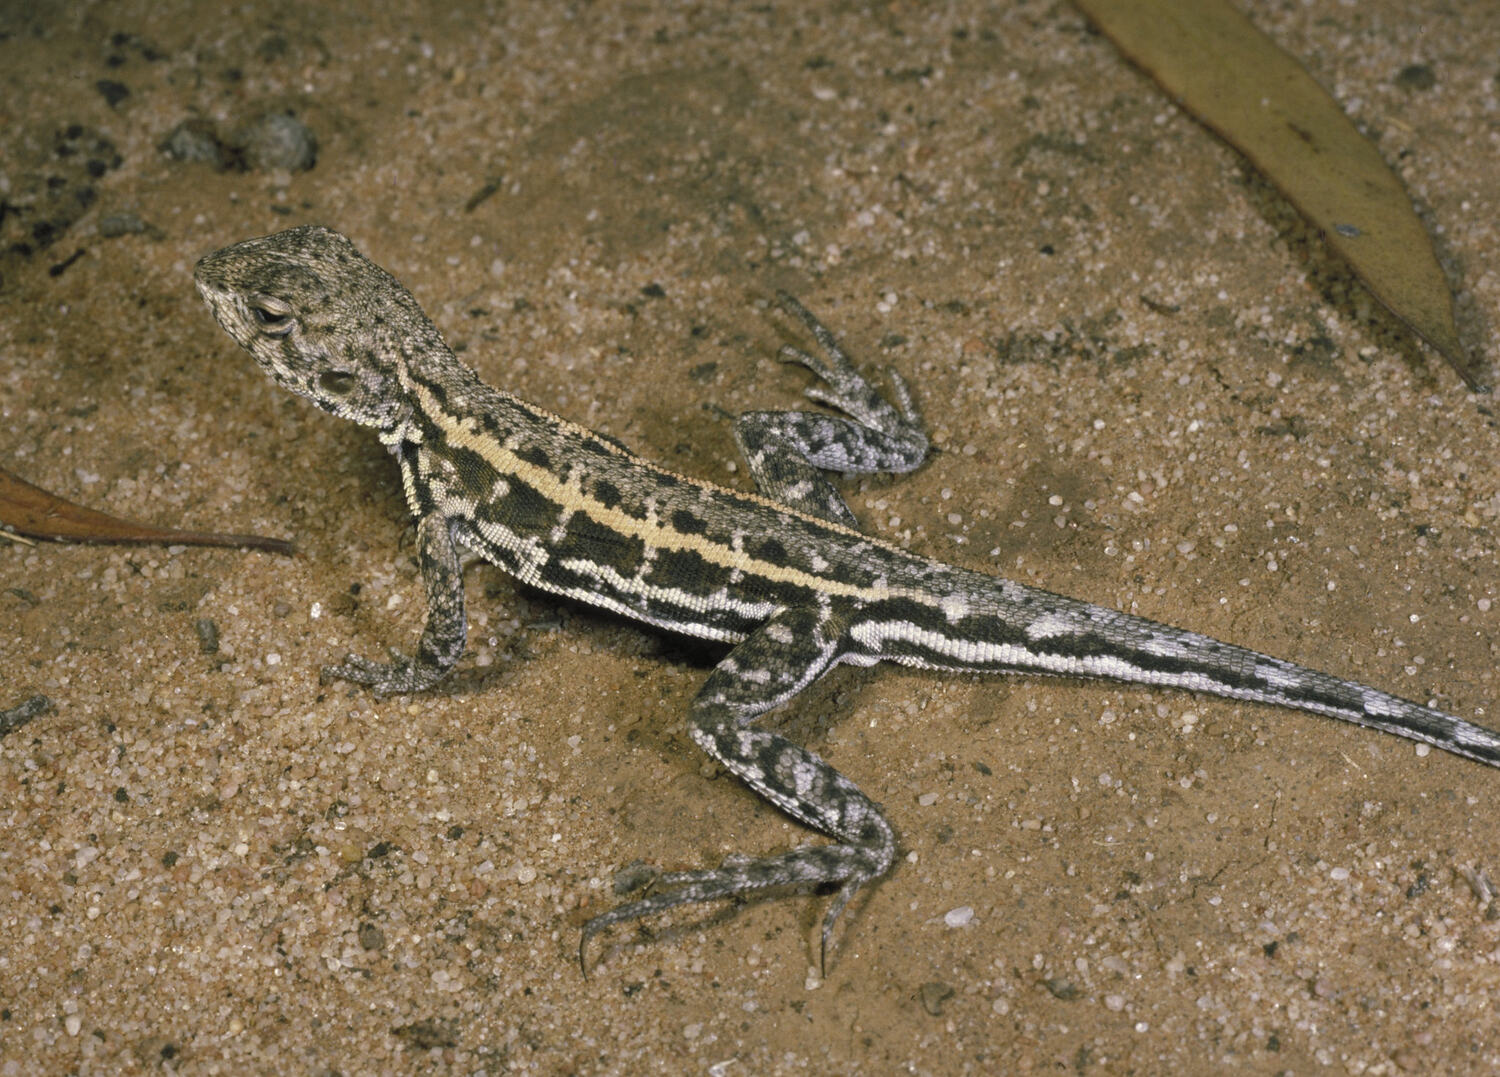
pixel 1260 100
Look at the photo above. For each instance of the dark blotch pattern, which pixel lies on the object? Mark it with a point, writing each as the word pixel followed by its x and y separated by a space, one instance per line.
pixel 606 493
pixel 687 523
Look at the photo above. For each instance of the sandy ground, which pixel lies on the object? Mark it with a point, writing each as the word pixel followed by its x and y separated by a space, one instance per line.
pixel 1148 387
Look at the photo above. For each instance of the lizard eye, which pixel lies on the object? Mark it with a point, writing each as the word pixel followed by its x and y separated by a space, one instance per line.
pixel 337 382
pixel 272 316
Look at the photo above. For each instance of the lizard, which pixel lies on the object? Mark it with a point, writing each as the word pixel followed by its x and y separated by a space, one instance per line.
pixel 783 575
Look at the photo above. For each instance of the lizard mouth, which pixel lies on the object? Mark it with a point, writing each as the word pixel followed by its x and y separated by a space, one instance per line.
pixel 226 309
pixel 216 299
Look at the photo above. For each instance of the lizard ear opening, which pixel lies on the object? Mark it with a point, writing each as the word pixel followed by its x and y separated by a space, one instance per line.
pixel 271 316
pixel 338 382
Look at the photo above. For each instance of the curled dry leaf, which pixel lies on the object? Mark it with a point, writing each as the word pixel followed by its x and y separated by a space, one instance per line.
pixel 1258 99
pixel 30 510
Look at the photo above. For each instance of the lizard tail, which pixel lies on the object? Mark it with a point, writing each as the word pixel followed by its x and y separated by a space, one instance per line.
pixel 1010 628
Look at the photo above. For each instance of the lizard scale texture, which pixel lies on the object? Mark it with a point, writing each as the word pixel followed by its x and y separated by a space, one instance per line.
pixel 784 576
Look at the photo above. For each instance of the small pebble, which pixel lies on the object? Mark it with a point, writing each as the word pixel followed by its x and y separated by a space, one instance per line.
pixel 113 92
pixel 1061 989
pixel 959 917
pixel 371 937
pixel 121 224
pixel 933 995
pixel 277 140
pixel 195 140
pixel 23 712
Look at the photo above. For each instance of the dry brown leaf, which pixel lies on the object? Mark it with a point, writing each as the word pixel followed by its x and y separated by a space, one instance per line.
pixel 30 510
pixel 1258 99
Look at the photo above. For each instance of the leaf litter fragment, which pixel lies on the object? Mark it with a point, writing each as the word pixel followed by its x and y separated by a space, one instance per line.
pixel 29 510
pixel 1235 80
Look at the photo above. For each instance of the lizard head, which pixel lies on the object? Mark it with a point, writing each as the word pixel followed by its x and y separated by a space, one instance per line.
pixel 318 317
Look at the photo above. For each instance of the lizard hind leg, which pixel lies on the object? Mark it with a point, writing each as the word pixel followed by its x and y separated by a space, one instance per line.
pixel 902 444
pixel 787 450
pixel 782 657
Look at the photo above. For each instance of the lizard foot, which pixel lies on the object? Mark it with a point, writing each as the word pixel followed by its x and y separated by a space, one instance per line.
pixel 850 867
pixel 401 674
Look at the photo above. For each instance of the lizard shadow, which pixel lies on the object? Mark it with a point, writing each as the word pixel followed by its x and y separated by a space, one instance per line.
pixel 556 618
pixel 806 720
pixel 553 619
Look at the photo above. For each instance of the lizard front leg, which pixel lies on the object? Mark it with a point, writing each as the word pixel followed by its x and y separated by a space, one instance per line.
pixel 785 655
pixel 442 639
pixel 786 449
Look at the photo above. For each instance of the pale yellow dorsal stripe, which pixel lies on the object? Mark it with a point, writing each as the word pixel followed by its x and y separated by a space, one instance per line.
pixel 465 433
